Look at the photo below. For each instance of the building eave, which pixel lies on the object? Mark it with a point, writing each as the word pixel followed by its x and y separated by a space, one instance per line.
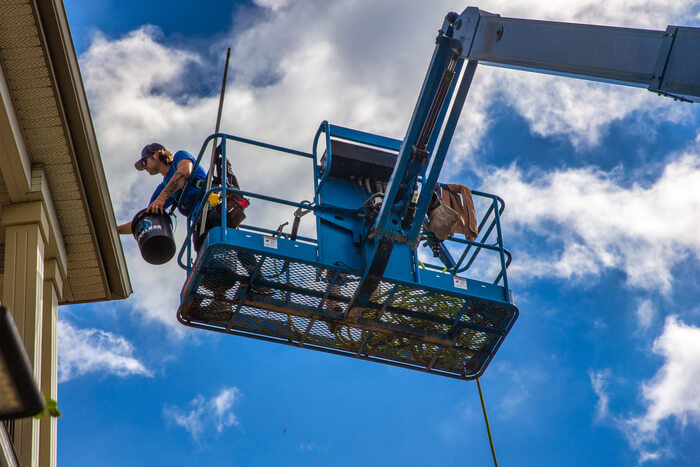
pixel 82 134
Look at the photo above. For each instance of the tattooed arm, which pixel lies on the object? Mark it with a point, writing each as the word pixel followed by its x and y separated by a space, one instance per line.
pixel 124 229
pixel 184 169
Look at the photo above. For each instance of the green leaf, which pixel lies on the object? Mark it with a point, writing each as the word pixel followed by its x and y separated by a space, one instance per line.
pixel 51 408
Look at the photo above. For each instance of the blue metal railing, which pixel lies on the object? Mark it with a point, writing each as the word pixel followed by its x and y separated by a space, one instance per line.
pixel 505 256
pixel 187 245
pixel 489 222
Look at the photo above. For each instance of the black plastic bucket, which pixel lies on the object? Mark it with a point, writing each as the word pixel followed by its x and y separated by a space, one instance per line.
pixel 154 234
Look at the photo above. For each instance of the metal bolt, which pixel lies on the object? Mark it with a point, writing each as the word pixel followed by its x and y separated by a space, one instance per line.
pixel 651 77
pixel 458 23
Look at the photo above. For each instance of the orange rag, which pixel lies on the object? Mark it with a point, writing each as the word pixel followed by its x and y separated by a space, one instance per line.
pixel 459 198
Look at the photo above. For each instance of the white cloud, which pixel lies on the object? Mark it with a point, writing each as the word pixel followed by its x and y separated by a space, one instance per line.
pixel 599 381
pixel 671 394
pixel 204 414
pixel 647 14
pixel 133 85
pixel 84 351
pixel 157 288
pixel 601 224
pixel 673 391
pixel 272 4
pixel 223 403
pixel 521 384
pixel 581 111
pixel 309 447
pixel 645 313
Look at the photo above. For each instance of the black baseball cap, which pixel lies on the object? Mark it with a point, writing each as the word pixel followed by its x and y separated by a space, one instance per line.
pixel 147 151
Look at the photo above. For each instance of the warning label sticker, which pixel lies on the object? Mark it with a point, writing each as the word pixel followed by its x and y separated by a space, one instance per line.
pixel 271 242
pixel 460 283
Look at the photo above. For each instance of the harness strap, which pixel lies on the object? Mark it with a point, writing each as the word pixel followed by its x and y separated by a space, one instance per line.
pixel 298 214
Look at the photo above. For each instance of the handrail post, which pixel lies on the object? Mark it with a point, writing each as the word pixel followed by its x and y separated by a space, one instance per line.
pixel 501 253
pixel 315 158
pixel 325 127
pixel 224 189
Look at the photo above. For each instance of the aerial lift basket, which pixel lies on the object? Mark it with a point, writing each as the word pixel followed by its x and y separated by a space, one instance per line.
pixel 258 283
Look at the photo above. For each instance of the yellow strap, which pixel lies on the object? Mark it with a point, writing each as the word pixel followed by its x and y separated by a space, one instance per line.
pixel 486 419
pixel 214 198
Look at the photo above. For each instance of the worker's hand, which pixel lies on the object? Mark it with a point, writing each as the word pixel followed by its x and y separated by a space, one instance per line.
pixel 156 207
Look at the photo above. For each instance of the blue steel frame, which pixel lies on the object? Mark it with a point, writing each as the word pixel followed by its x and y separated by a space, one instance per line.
pixel 664 62
pixel 431 279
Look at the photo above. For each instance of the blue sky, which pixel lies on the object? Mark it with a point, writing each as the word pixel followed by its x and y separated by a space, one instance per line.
pixel 600 184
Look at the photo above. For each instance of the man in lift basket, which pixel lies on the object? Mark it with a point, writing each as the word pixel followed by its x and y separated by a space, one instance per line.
pixel 176 170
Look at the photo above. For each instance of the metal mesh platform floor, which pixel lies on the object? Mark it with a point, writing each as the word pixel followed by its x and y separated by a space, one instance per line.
pixel 306 305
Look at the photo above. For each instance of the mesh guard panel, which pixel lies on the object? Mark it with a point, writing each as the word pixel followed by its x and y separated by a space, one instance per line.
pixel 266 297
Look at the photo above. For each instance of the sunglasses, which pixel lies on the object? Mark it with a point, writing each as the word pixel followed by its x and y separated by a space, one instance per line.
pixel 142 162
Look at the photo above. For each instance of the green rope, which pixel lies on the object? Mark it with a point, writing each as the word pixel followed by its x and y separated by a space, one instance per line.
pixel 486 419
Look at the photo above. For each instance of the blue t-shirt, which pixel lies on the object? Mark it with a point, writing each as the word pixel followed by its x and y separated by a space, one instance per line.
pixel 195 190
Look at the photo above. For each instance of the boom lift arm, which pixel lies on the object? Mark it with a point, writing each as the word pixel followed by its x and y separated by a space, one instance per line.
pixel 662 61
